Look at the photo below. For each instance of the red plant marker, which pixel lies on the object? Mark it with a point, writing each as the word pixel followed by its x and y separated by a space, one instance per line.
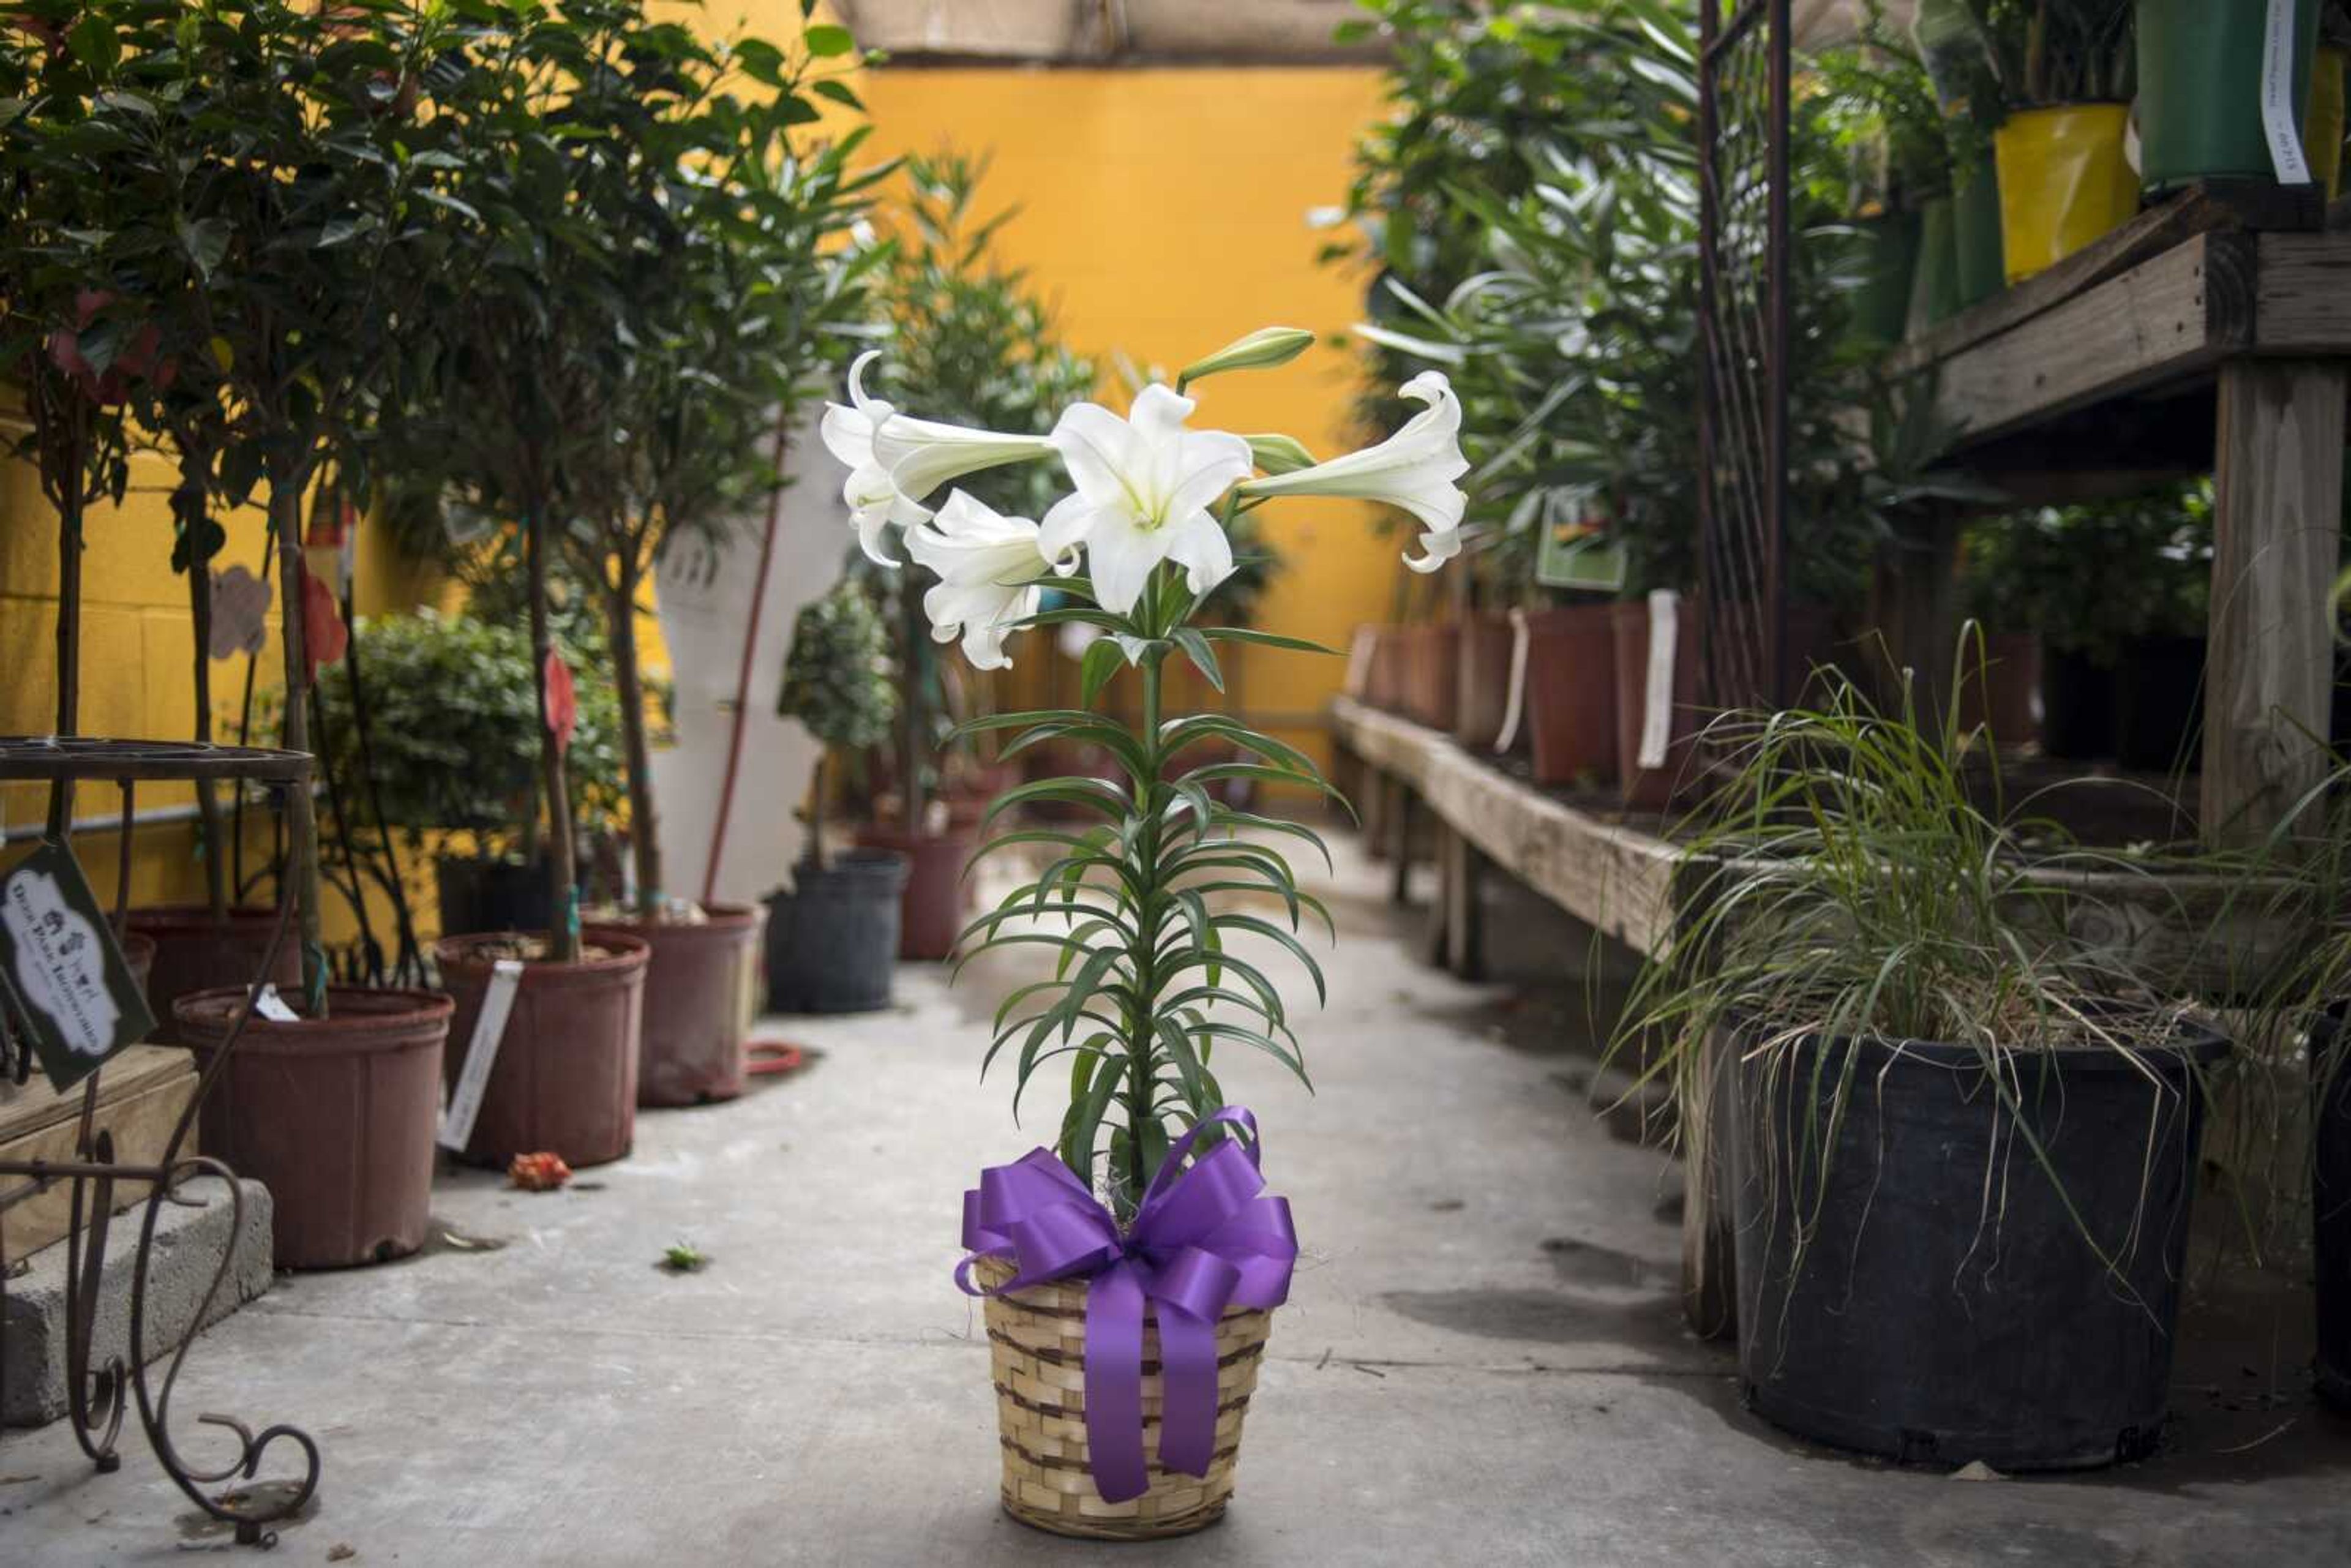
pixel 325 638
pixel 563 714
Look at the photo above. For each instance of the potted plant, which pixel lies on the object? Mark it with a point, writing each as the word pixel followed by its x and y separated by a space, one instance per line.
pixel 732 300
pixel 1929 1082
pixel 2064 69
pixel 972 333
pixel 1950 49
pixel 1883 115
pixel 2203 69
pixel 832 938
pixel 292 286
pixel 1151 976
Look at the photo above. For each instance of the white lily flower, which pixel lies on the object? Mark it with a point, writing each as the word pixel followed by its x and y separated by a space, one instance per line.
pixel 1145 485
pixel 1415 468
pixel 987 565
pixel 873 501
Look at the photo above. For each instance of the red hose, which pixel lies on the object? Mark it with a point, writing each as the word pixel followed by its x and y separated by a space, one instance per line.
pixel 750 648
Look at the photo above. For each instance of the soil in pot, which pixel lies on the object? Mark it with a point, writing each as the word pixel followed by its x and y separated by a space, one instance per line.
pixel 1922 1320
pixel 194 952
pixel 1483 689
pixel 702 993
pixel 832 938
pixel 937 897
pixel 2003 693
pixel 564 1079
pixel 2199 89
pixel 1653 789
pixel 488 893
pixel 1571 694
pixel 2160 704
pixel 2077 705
pixel 335 1116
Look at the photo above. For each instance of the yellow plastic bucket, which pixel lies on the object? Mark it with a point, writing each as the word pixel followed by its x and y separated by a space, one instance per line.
pixel 2063 181
pixel 2322 123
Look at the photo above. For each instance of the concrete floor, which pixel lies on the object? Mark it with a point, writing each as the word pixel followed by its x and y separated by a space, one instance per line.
pixel 1482 1362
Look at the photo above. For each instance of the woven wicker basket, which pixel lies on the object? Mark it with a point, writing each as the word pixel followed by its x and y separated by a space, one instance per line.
pixel 1037 1345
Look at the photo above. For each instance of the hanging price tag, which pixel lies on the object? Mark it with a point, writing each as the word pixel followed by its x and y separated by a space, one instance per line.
pixel 2280 124
pixel 63 969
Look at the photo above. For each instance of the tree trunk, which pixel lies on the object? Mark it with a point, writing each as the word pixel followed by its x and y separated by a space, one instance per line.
pixel 200 617
pixel 818 786
pixel 563 942
pixel 914 694
pixel 644 825
pixel 302 823
pixel 69 542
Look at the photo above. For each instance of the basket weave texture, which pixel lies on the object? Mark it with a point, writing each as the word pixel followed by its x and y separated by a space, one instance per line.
pixel 1037 1347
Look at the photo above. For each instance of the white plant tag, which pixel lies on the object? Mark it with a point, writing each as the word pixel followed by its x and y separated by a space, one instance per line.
pixel 481 1054
pixel 1657 710
pixel 1358 678
pixel 1515 703
pixel 272 1006
pixel 2278 122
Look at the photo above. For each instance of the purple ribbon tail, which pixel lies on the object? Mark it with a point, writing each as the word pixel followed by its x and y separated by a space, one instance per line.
pixel 1114 1384
pixel 1188 1380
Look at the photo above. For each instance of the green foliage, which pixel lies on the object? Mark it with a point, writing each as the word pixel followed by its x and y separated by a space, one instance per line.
pixel 836 676
pixel 1884 117
pixel 2050 52
pixel 1158 963
pixel 2091 578
pixel 453 736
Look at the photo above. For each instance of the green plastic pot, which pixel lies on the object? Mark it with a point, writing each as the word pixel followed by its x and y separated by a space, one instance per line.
pixel 1889 253
pixel 1975 233
pixel 2199 88
pixel 1935 284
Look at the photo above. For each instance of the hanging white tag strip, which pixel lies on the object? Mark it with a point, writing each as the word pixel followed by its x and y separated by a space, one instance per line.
pixel 481 1054
pixel 1358 678
pixel 1657 710
pixel 1514 705
pixel 2278 119
pixel 272 1006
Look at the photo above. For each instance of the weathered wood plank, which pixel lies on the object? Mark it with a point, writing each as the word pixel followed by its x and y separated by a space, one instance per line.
pixel 1611 876
pixel 2302 294
pixel 140 1101
pixel 2277 522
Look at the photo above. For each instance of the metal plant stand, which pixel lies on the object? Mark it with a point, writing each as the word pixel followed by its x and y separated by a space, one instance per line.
pixel 99 1396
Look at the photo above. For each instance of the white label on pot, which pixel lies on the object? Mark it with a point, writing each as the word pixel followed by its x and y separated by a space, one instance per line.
pixel 1657 710
pixel 481 1053
pixel 2278 122
pixel 272 1006
pixel 1514 705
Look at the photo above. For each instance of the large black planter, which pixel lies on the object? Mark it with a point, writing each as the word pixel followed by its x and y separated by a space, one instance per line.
pixel 2160 704
pixel 483 894
pixel 1929 1317
pixel 2077 707
pixel 2330 1206
pixel 832 938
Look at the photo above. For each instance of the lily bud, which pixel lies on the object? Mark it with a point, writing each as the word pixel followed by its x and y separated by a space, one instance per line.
pixel 1262 350
pixel 1279 453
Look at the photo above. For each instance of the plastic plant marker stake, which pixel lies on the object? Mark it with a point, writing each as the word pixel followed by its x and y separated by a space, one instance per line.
pixel 1658 708
pixel 2280 122
pixel 1514 706
pixel 481 1054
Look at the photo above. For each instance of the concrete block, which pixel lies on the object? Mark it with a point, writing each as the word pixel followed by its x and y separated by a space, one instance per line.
pixel 189 1241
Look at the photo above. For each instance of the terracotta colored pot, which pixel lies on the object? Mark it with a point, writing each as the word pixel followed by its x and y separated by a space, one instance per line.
pixel 2004 695
pixel 936 895
pixel 1383 688
pixel 1482 689
pixel 1571 694
pixel 139 952
pixel 1434 674
pixel 195 952
pixel 335 1116
pixel 565 1078
pixel 701 992
pixel 1653 789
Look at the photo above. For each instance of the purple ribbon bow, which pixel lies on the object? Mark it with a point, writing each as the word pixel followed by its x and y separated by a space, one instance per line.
pixel 1203 1240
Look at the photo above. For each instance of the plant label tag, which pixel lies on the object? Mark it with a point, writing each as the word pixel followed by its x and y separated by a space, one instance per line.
pixel 1515 701
pixel 63 969
pixel 1658 708
pixel 1578 553
pixel 2279 123
pixel 481 1054
pixel 272 1006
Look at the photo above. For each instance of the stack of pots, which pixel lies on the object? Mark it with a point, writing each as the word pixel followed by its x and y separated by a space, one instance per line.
pixel 937 897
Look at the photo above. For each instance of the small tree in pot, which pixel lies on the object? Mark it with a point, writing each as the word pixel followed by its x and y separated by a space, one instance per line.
pixel 832 939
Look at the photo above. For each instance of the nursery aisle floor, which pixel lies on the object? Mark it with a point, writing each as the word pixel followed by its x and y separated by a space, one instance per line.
pixel 1482 1362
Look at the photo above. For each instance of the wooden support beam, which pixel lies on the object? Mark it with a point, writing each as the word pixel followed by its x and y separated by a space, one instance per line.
pixel 1460 923
pixel 2278 518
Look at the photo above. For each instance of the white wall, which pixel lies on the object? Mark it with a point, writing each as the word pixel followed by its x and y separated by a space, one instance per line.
pixel 705 599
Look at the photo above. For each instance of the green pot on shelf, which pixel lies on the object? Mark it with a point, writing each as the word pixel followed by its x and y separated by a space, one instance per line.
pixel 1935 293
pixel 1975 232
pixel 2199 88
pixel 1890 255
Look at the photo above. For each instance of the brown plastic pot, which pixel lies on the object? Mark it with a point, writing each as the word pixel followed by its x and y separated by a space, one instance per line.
pixel 335 1116
pixel 701 992
pixel 566 1077
pixel 1384 685
pixel 2004 697
pixel 1571 694
pixel 1434 674
pixel 1482 685
pixel 1653 789
pixel 936 895
pixel 194 952
pixel 139 953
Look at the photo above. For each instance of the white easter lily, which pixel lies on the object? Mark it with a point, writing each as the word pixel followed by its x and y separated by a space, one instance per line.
pixel 1143 487
pixel 1415 468
pixel 987 565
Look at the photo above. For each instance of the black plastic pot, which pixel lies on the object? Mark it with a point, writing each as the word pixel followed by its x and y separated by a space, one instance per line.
pixel 481 894
pixel 2330 1208
pixel 2077 707
pixel 1930 1317
pixel 2160 704
pixel 832 938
